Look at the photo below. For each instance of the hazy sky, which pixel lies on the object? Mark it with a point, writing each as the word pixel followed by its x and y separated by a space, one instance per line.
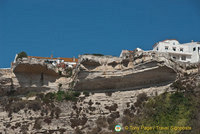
pixel 68 28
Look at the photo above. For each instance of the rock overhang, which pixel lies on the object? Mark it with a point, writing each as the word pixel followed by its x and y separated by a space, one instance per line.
pixel 106 72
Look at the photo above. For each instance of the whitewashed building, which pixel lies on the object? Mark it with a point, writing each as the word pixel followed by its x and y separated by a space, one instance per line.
pixel 187 52
pixel 69 62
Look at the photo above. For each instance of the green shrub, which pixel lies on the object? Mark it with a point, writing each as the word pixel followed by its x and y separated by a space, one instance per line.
pixel 35 105
pixel 178 85
pixel 95 54
pixel 72 84
pixel 86 93
pixel 167 109
pixel 76 93
pixel 98 54
pixel 40 96
pixel 69 96
pixel 16 106
pixel 140 99
pixel 60 95
pixel 22 54
pixel 31 94
pixel 49 97
pixel 60 72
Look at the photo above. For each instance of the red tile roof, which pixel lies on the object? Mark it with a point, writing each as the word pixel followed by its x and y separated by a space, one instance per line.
pixel 65 59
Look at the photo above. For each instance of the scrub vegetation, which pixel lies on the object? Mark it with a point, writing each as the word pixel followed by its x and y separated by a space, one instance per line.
pixel 59 96
pixel 166 113
pixel 167 110
pixel 22 54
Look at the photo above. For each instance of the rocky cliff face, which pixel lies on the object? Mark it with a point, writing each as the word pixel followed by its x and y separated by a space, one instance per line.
pixel 31 116
pixel 118 89
pixel 28 76
pixel 144 69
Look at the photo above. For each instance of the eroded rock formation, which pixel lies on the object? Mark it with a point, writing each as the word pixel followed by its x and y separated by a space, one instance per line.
pixel 146 73
pixel 145 69
pixel 31 76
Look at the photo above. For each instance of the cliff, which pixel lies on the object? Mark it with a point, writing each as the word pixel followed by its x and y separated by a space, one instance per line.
pixel 137 90
pixel 30 75
pixel 144 69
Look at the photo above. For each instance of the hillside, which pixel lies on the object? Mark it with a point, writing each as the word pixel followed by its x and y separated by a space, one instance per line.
pixel 148 91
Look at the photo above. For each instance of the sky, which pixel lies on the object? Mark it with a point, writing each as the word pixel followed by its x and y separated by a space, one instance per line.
pixel 67 28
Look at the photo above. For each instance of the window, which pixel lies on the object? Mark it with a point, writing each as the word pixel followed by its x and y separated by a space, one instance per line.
pixel 174 57
pixel 194 49
pixel 183 57
pixel 166 47
pixel 173 43
pixel 157 48
pixel 198 48
pixel 174 49
pixel 181 49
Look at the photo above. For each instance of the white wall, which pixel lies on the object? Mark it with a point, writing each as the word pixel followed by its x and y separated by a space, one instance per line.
pixel 191 56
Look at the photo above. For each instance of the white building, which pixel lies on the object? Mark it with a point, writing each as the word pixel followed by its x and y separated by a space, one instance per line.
pixel 187 52
pixel 69 62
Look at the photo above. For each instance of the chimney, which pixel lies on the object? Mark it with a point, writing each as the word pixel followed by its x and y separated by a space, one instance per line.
pixel 51 56
pixel 192 41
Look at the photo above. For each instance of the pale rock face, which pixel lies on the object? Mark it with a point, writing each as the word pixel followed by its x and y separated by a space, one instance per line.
pixel 111 73
pixel 142 69
pixel 97 108
pixel 145 72
pixel 31 78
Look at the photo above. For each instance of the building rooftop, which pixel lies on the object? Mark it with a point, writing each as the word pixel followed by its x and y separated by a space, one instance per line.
pixel 49 58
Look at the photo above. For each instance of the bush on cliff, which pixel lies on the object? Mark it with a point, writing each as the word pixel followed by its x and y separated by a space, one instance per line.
pixel 86 93
pixel 60 96
pixel 140 99
pixel 22 54
pixel 95 54
pixel 165 110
